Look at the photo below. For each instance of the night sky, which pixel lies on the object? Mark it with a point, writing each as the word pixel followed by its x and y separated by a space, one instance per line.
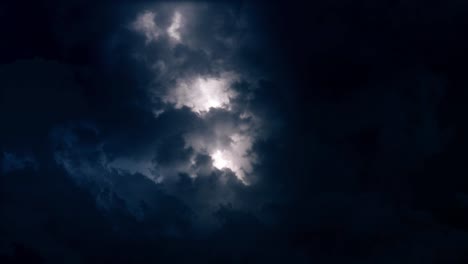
pixel 233 131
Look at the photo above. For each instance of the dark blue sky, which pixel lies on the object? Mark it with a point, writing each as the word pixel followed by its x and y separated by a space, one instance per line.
pixel 233 132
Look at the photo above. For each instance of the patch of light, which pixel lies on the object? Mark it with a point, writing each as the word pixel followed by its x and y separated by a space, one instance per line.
pixel 236 157
pixel 173 29
pixel 201 93
pixel 220 161
pixel 158 112
pixel 145 24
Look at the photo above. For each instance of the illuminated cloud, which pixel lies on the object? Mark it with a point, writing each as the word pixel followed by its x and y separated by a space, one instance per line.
pixel 197 76
pixel 229 146
pixel 173 29
pixel 201 93
pixel 145 24
pixel 236 156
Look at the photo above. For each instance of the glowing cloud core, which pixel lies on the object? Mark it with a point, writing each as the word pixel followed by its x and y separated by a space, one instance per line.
pixel 173 29
pixel 229 142
pixel 200 94
pixel 220 161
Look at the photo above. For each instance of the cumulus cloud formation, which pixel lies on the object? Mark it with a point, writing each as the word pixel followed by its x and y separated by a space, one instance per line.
pixel 202 93
pixel 236 156
pixel 223 132
pixel 203 88
pixel 145 24
pixel 173 29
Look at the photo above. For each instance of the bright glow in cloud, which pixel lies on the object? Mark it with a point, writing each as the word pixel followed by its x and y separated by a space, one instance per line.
pixel 220 161
pixel 201 93
pixel 173 29
pixel 227 136
pixel 236 155
pixel 145 24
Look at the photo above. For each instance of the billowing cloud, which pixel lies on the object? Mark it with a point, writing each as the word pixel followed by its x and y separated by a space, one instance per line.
pixel 205 88
pixel 145 24
pixel 202 93
pixel 143 142
pixel 174 28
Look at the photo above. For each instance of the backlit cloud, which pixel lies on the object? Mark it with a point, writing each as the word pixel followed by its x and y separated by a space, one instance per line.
pixel 202 93
pixel 199 76
pixel 173 29
pixel 146 25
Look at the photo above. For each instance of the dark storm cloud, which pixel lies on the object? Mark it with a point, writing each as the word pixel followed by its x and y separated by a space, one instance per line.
pixel 173 62
pixel 12 162
pixel 356 115
pixel 79 150
pixel 105 114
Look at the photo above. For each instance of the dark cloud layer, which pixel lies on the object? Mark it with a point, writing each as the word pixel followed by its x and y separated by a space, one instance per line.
pixel 351 116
